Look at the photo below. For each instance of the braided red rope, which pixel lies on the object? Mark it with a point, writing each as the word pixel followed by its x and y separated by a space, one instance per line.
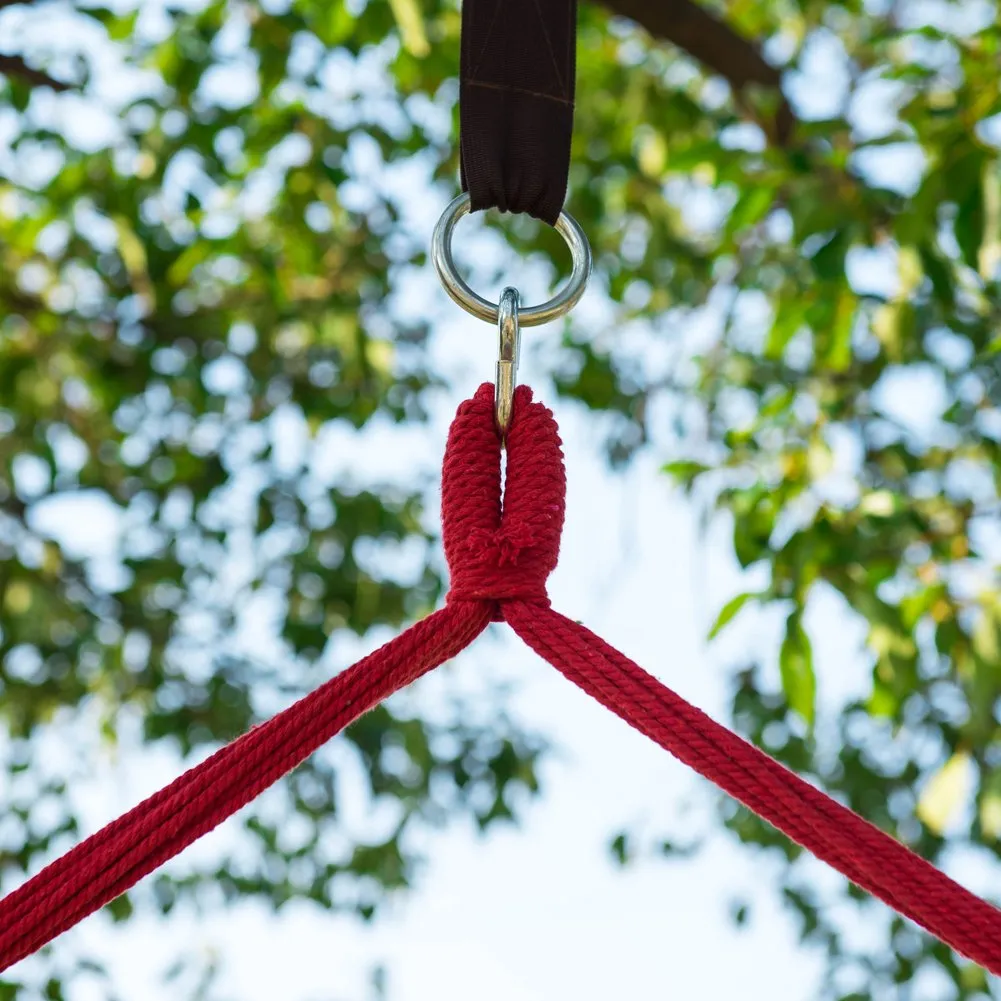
pixel 499 560
pixel 119 855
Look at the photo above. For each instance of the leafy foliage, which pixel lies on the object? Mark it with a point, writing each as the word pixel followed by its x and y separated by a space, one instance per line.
pixel 215 257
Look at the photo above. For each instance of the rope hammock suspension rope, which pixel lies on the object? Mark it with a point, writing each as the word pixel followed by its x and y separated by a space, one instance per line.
pixel 500 553
pixel 517 112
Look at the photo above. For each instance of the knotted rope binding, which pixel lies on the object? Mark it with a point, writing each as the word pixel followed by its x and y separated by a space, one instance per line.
pixel 499 557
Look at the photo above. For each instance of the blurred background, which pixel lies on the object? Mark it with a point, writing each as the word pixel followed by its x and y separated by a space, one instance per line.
pixel 226 375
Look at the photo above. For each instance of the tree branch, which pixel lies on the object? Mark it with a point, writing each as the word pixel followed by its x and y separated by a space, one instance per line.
pixel 714 44
pixel 15 66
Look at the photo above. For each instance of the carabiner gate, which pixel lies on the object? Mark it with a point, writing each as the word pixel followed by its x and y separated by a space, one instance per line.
pixel 507 359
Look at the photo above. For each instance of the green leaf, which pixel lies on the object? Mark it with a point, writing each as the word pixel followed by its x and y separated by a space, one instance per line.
pixel 620 848
pixel 684 470
pixel 788 322
pixel 120 908
pixel 939 273
pixel 882 701
pixel 969 224
pixel 752 206
pixel 829 260
pixel 839 351
pixel 729 612
pixel 796 666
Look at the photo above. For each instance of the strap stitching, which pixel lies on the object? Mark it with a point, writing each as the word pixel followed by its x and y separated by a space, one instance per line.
pixel 549 46
pixel 486 39
pixel 517 90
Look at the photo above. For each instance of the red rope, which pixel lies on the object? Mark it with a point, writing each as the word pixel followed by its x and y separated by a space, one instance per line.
pixel 108 863
pixel 832 832
pixel 499 559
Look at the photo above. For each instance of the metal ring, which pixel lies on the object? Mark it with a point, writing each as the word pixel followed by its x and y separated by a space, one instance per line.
pixel 529 316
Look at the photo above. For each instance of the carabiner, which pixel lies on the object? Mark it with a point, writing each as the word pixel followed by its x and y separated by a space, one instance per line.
pixel 507 359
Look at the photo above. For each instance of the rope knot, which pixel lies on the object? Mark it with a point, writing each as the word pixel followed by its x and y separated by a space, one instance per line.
pixel 502 551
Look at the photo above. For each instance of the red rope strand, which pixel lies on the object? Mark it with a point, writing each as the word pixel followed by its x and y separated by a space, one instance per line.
pixel 832 832
pixel 499 558
pixel 116 857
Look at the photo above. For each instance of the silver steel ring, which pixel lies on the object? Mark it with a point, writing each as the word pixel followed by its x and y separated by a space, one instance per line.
pixel 528 316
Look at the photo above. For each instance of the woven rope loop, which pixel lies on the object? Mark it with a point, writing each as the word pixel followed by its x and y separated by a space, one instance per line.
pixel 502 549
